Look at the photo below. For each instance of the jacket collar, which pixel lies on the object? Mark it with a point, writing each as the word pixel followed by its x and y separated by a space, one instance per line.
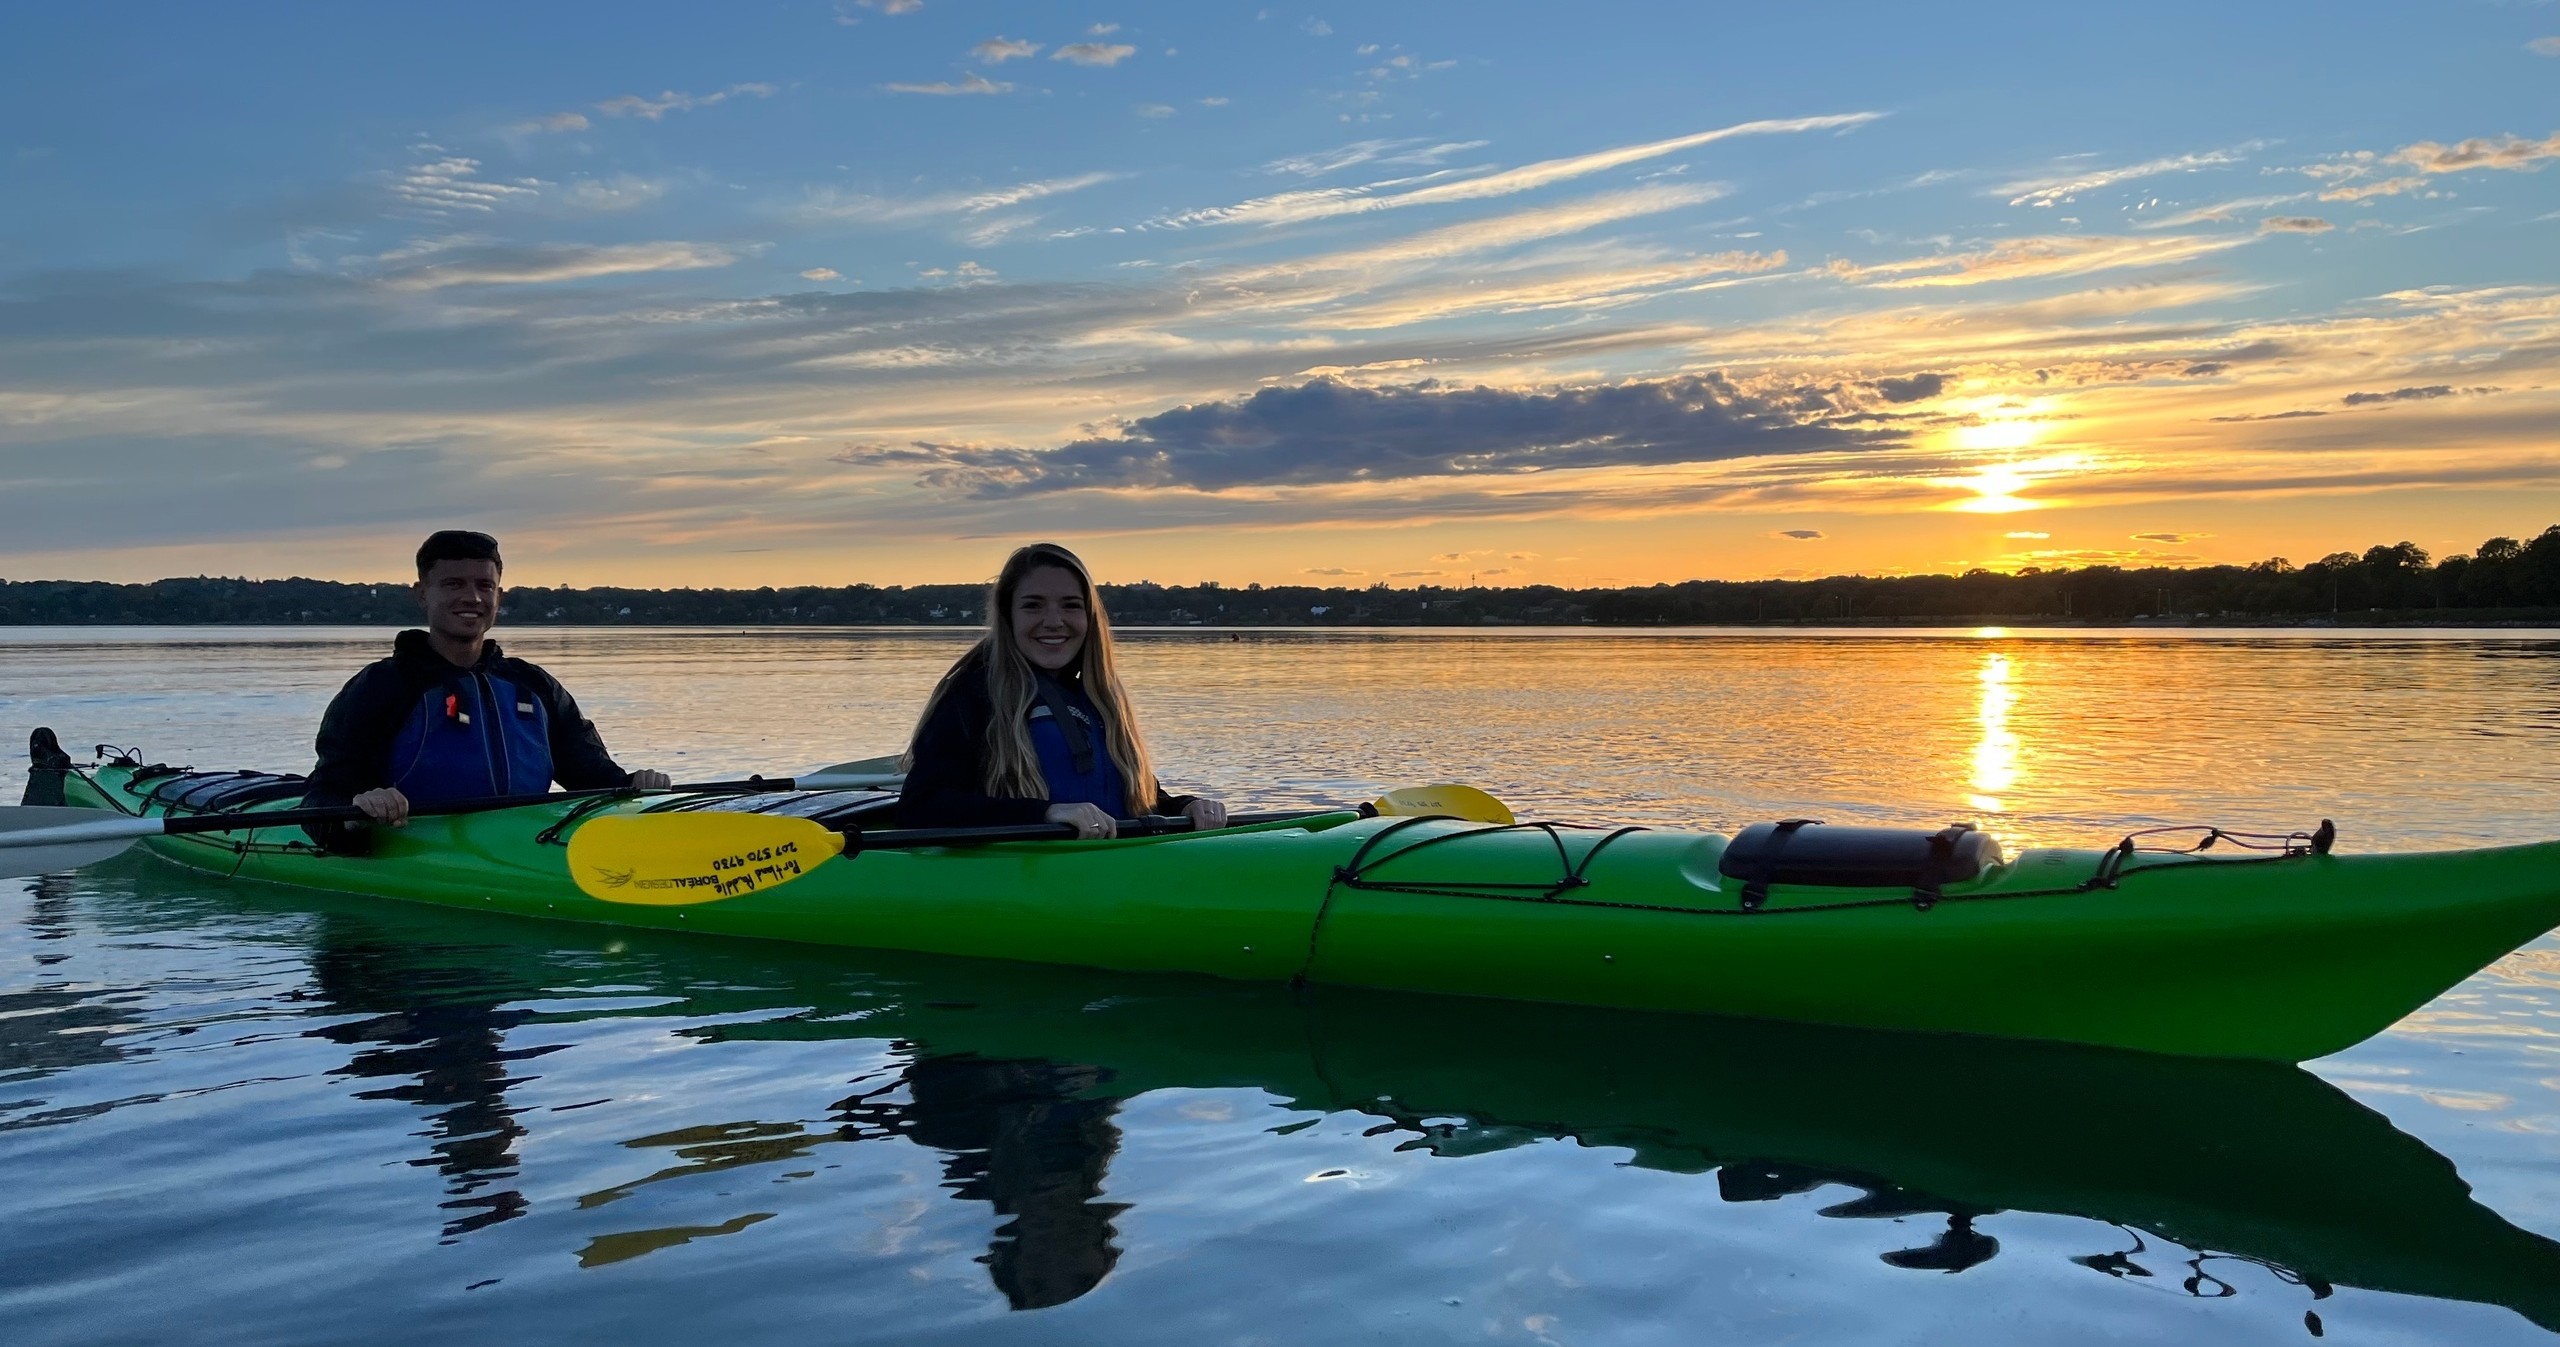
pixel 410 648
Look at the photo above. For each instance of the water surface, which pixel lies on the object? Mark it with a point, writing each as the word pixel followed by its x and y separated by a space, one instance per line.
pixel 296 1118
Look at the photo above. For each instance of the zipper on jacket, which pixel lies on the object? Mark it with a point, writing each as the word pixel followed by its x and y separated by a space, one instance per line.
pixel 493 743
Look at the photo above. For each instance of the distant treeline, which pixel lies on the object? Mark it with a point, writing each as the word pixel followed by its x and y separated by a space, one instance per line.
pixel 2503 580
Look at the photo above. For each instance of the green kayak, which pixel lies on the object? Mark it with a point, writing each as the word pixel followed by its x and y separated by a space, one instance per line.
pixel 2282 955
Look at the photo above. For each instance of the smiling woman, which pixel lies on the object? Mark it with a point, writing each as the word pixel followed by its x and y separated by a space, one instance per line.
pixel 1033 725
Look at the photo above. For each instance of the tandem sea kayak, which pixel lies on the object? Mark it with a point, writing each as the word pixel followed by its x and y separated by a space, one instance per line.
pixel 2283 955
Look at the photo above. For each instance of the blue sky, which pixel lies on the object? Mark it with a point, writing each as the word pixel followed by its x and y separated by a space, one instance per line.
pixel 837 291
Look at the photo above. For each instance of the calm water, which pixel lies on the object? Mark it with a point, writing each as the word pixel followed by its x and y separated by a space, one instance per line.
pixel 260 1116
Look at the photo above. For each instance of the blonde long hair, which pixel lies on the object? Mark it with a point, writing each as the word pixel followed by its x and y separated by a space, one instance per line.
pixel 1013 765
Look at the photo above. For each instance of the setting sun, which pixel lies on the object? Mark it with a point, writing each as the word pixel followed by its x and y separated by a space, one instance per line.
pixel 1996 488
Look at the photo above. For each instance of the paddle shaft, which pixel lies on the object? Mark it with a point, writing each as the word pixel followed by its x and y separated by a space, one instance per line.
pixel 179 825
pixel 857 840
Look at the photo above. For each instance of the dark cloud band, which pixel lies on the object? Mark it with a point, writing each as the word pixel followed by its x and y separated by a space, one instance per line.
pixel 1326 431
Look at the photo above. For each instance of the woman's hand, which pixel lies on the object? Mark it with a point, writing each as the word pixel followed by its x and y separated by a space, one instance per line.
pixel 1087 820
pixel 1206 814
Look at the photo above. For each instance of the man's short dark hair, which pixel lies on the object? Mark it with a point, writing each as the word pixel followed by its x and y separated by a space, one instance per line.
pixel 457 545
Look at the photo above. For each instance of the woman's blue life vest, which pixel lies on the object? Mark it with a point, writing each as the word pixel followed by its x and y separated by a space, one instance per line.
pixel 1074 750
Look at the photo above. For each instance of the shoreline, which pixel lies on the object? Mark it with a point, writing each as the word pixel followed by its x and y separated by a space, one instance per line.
pixel 2541 622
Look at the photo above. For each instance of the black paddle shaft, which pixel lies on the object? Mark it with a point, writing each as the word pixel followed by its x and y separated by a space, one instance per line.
pixel 856 840
pixel 347 813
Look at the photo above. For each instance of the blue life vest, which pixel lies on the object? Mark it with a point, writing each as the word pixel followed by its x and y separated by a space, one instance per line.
pixel 1075 761
pixel 475 734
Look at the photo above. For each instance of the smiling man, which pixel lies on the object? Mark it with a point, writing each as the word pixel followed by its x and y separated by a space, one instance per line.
pixel 449 716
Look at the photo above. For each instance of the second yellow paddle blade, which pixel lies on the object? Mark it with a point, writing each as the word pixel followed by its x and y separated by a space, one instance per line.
pixel 673 860
pixel 1464 802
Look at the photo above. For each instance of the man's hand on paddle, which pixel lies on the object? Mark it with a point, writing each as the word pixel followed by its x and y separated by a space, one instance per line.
pixel 386 806
pixel 651 781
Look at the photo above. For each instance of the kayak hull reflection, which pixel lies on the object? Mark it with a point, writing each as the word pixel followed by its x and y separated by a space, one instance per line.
pixel 2201 1160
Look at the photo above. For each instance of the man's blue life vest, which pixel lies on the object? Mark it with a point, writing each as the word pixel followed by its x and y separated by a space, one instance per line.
pixel 441 733
pixel 475 734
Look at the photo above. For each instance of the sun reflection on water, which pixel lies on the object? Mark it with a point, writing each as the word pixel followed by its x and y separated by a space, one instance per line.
pixel 1995 754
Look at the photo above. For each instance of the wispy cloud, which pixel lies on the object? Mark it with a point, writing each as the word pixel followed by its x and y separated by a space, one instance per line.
pixel 435 266
pixel 2128 557
pixel 2294 224
pixel 2240 417
pixel 558 121
pixel 998 50
pixel 452 182
pixel 1020 193
pixel 1584 288
pixel 2428 393
pixel 2506 152
pixel 2053 255
pixel 2352 175
pixel 623 191
pixel 2363 191
pixel 2054 189
pixel 1476 237
pixel 869 209
pixel 892 7
pixel 972 83
pixel 2544 46
pixel 1297 207
pixel 1405 66
pixel 2220 213
pixel 652 109
pixel 1094 53
pixel 1419 151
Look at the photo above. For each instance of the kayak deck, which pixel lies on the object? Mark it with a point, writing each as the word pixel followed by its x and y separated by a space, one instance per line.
pixel 2280 957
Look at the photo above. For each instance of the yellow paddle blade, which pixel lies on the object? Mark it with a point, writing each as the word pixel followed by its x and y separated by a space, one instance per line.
pixel 1464 802
pixel 672 860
